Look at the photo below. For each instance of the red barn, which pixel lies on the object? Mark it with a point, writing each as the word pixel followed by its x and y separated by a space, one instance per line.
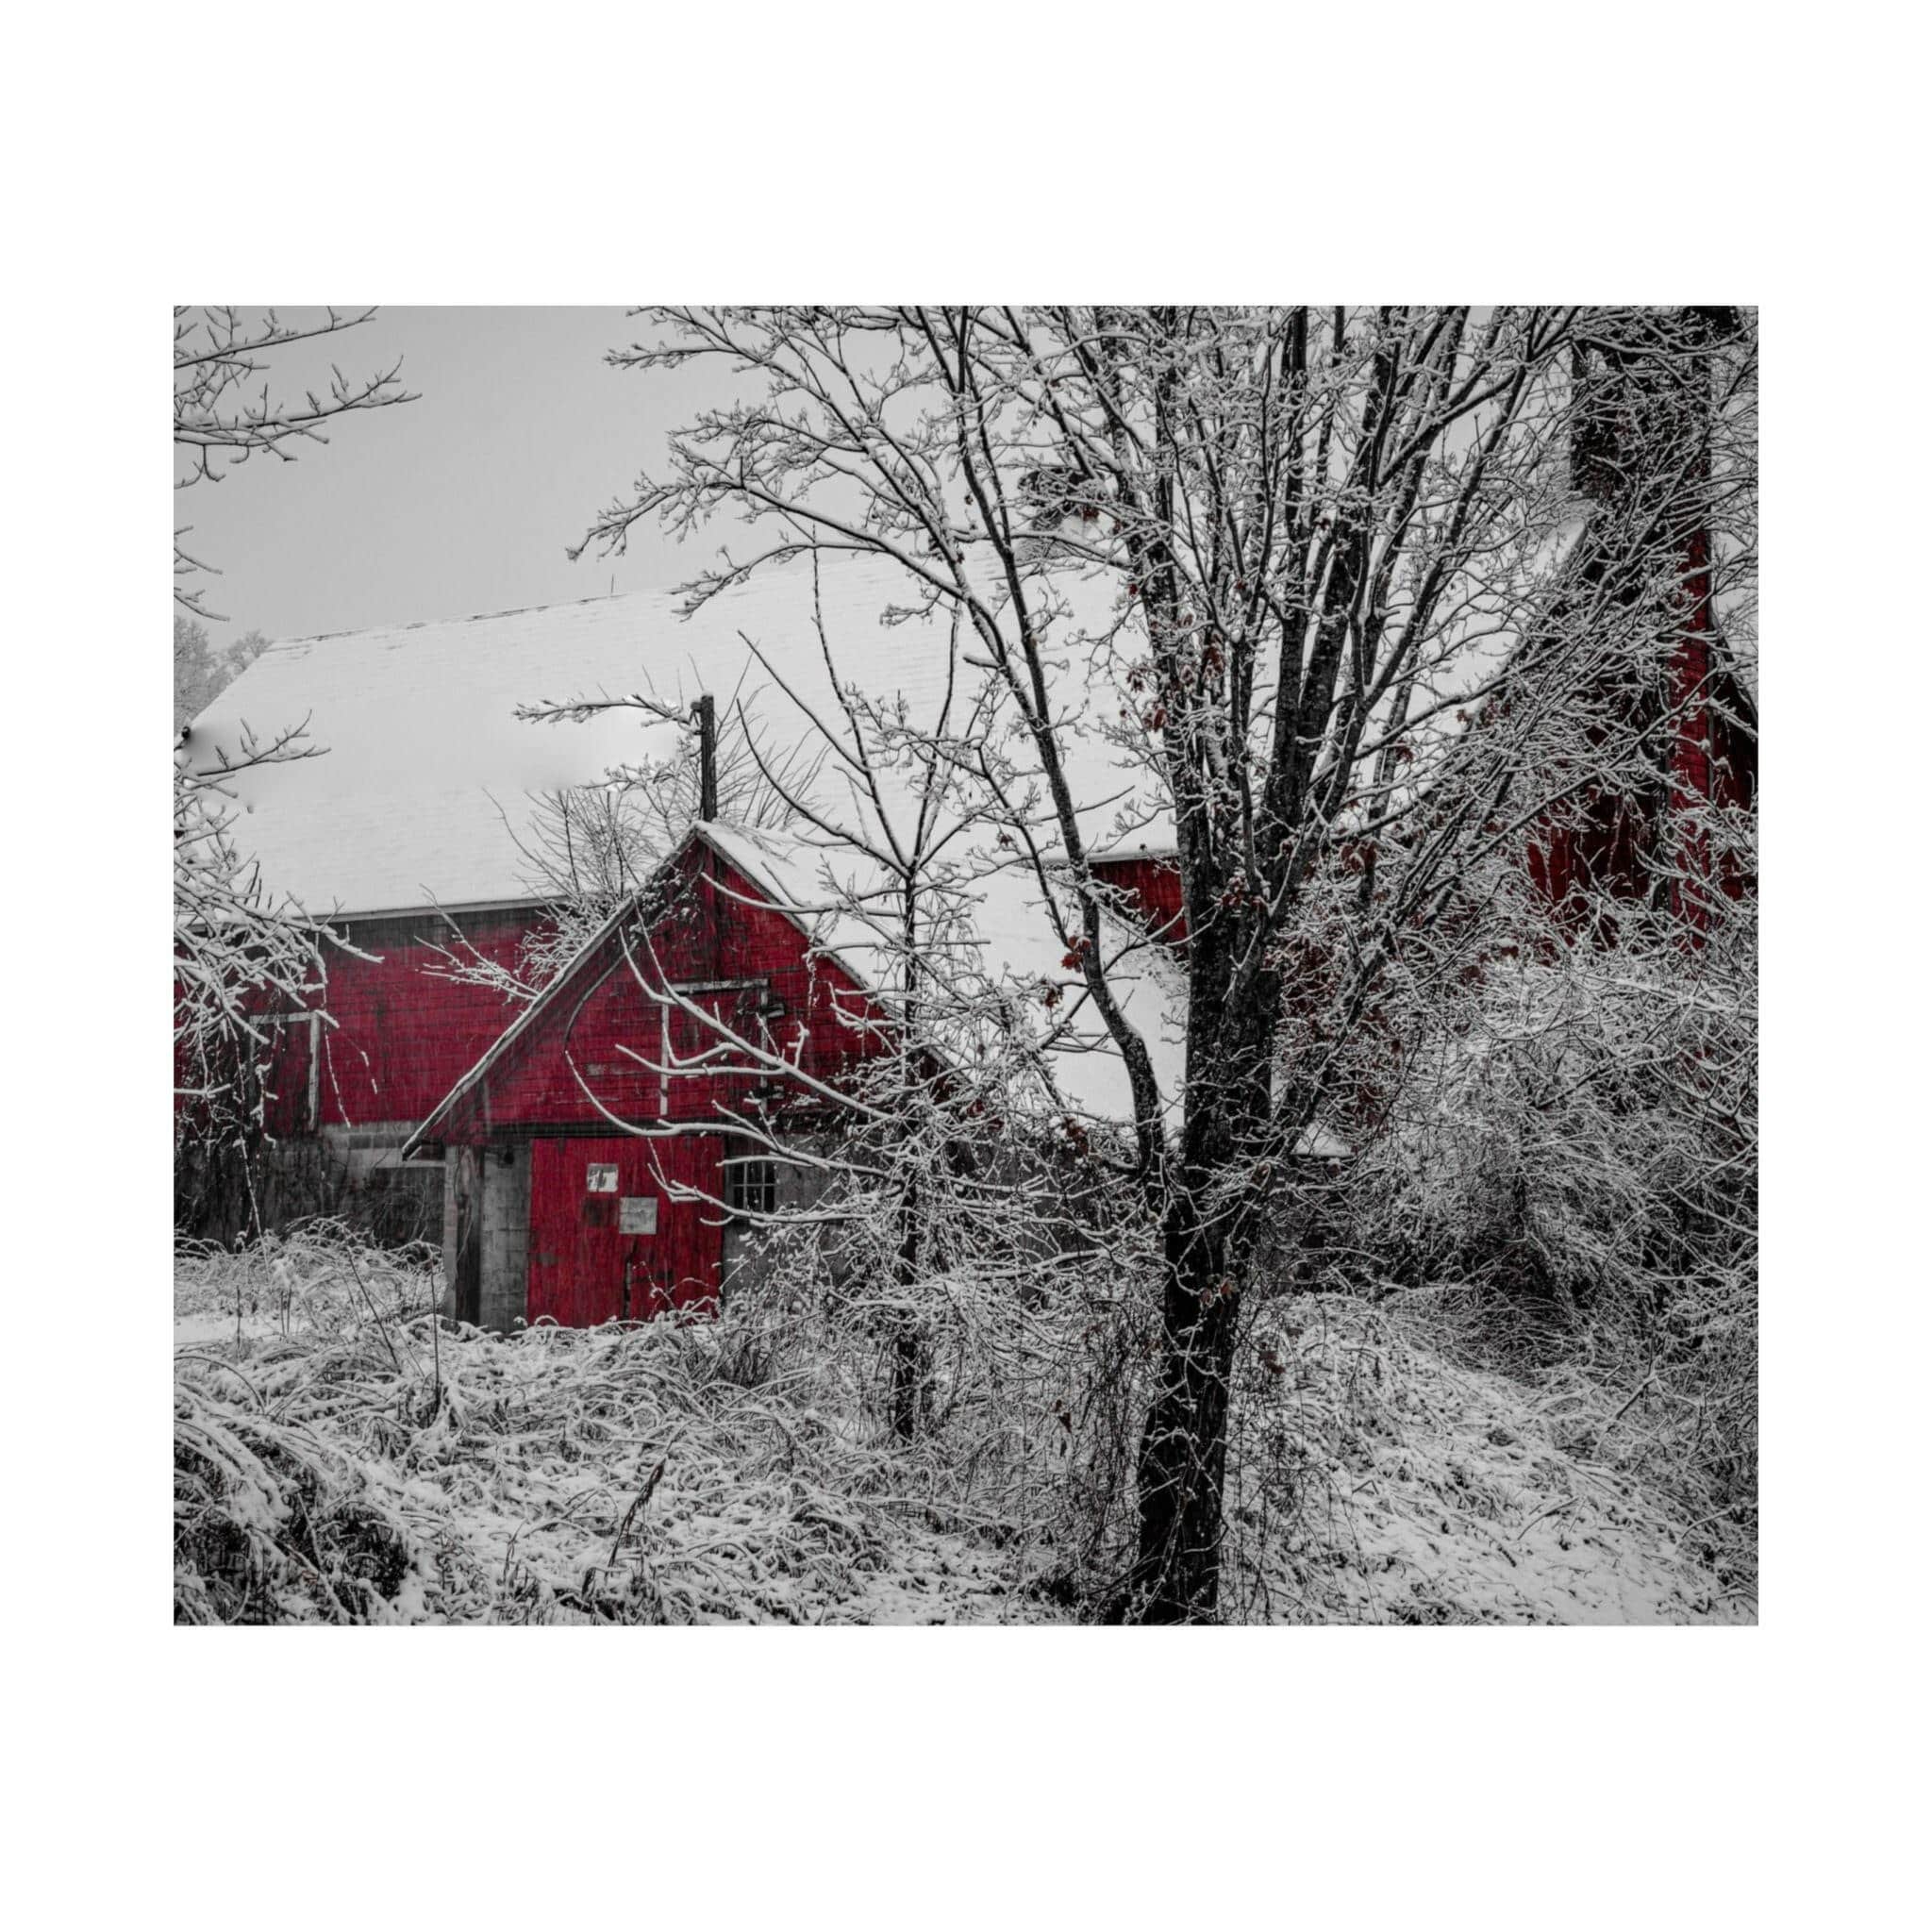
pixel 413 837
pixel 591 1167
pixel 598 1166
pixel 575 1146
pixel 1644 380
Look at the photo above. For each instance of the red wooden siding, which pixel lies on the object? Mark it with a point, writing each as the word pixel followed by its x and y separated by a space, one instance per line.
pixel 602 1037
pixel 587 1063
pixel 403 1036
pixel 1154 886
pixel 585 1267
pixel 1613 843
pixel 289 1095
pixel 1650 375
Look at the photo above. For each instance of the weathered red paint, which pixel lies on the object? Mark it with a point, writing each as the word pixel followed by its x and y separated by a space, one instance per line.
pixel 1153 886
pixel 1613 843
pixel 403 1033
pixel 584 1268
pixel 1650 375
pixel 591 1057
pixel 600 1055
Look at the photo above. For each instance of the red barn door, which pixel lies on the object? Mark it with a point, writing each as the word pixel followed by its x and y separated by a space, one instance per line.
pixel 606 1240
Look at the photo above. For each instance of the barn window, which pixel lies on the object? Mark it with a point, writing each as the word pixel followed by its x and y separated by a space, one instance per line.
pixel 600 1179
pixel 751 1187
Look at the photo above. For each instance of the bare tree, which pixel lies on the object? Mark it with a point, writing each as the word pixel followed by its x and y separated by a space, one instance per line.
pixel 221 419
pixel 245 955
pixel 1354 582
pixel 922 1201
pixel 201 672
pixel 247 963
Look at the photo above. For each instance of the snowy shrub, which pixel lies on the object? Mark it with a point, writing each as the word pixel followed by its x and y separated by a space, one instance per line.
pixel 1569 1184
pixel 1027 1367
pixel 1373 1478
pixel 342 1456
pixel 348 1457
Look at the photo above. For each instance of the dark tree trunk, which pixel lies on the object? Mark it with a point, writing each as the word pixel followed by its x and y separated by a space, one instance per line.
pixel 1183 1458
pixel 1208 1238
pixel 909 1379
pixel 219 1150
pixel 910 1367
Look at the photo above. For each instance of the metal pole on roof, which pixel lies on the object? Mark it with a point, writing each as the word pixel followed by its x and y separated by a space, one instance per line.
pixel 707 758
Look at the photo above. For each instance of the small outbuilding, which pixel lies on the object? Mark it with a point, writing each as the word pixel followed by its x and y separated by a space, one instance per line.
pixel 594 1167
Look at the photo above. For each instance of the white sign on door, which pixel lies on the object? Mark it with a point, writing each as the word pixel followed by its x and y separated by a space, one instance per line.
pixel 637 1214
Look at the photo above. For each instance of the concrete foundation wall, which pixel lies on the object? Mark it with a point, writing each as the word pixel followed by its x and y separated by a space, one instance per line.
pixel 505 1235
pixel 352 1176
pixel 500 1188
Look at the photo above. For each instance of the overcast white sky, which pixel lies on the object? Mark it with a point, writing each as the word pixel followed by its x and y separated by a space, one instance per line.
pixel 462 501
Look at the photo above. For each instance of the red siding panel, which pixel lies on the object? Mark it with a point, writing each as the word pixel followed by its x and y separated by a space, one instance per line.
pixel 594 1058
pixel 585 1267
pixel 405 1035
pixel 1154 886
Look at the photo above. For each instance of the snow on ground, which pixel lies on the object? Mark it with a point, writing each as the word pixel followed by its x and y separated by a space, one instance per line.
pixel 1386 1484
pixel 343 1459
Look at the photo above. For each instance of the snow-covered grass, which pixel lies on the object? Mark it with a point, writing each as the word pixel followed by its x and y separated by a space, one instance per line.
pixel 1380 1480
pixel 1567 1195
pixel 346 1460
pixel 343 1457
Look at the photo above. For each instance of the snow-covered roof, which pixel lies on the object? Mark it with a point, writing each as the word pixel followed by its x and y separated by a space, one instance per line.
pixel 429 779
pixel 1012 936
pixel 1017 950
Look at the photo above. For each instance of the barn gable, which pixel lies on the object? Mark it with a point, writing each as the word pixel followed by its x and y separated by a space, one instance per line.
pixel 612 1041
pixel 589 1153
pixel 414 834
